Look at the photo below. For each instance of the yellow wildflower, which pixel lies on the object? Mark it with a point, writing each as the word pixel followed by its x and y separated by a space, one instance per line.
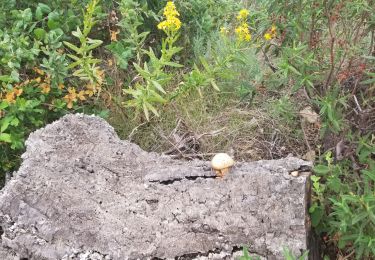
pixel 271 33
pixel 38 79
pixel 18 91
pixel 99 76
pixel 171 22
pixel 10 97
pixel 170 10
pixel 81 95
pixel 242 15
pixel 267 36
pixel 61 86
pixel 243 32
pixel 247 37
pixel 71 97
pixel 90 89
pixel 46 88
pixel 273 29
pixel 47 79
pixel 38 71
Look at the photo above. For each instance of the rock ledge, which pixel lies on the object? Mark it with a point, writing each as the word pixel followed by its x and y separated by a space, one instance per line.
pixel 82 193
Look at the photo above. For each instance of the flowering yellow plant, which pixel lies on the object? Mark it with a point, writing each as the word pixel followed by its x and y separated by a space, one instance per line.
pixel 71 97
pixel 170 10
pixel 270 33
pixel 242 15
pixel 171 22
pixel 242 31
pixel 45 88
pixel 11 95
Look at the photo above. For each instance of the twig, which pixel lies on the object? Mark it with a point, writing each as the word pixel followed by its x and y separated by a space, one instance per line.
pixel 371 44
pixel 348 256
pixel 305 137
pixel 191 155
pixel 268 62
pixel 332 55
pixel 356 102
pixel 212 133
pixel 135 129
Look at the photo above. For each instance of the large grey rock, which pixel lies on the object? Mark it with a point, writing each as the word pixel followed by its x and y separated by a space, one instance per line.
pixel 81 193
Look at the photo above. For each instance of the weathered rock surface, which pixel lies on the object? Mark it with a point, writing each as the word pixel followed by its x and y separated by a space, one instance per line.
pixel 81 193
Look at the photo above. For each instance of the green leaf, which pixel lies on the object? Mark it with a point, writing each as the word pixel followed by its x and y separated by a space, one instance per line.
pixel 39 33
pixel 293 69
pixel 155 97
pixel 27 15
pixel 5 138
pixel 44 8
pixel 5 122
pixel 204 63
pixel 73 47
pixel 15 121
pixel 5 78
pixel 74 64
pixel 38 13
pixel 335 184
pixel 245 252
pixel 321 169
pixel 145 110
pixel 368 81
pixel 316 216
pixel 78 33
pixel 172 64
pixel 153 109
pixel 359 217
pixel 40 10
pixel 214 85
pixel 77 59
pixel 52 24
pixel 145 74
pixel 15 76
pixel 370 174
pixel 158 86
pixel 94 44
pixel 123 54
pixel 3 105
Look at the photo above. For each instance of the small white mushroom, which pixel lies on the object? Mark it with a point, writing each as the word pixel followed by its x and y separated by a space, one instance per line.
pixel 294 173
pixel 221 164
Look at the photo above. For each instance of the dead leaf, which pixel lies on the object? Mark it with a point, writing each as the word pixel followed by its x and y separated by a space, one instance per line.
pixel 309 156
pixel 309 115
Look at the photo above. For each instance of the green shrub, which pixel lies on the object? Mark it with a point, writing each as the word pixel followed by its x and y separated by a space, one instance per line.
pixel 288 255
pixel 35 74
pixel 344 200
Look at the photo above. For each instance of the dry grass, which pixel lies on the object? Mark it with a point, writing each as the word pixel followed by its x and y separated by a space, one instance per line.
pixel 194 127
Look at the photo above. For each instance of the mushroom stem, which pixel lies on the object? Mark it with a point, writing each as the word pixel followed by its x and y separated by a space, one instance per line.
pixel 219 173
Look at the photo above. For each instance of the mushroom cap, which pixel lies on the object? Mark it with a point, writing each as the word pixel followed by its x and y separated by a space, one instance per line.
pixel 221 161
